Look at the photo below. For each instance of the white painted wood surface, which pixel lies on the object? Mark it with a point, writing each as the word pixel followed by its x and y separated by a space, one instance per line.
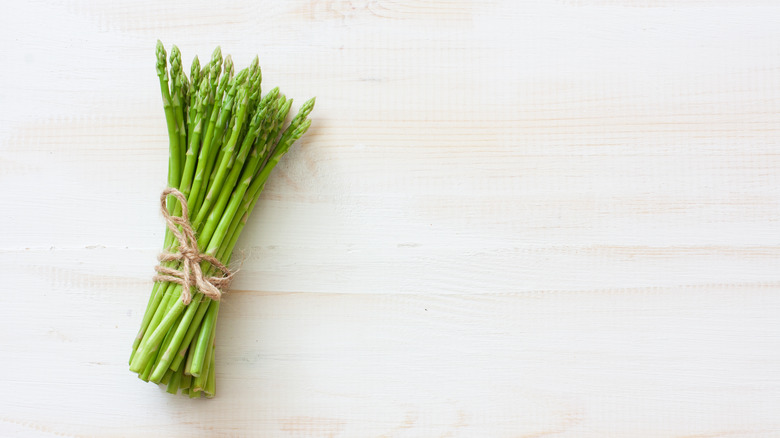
pixel 510 219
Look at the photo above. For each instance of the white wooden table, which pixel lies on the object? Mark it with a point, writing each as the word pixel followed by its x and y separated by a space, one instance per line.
pixel 510 219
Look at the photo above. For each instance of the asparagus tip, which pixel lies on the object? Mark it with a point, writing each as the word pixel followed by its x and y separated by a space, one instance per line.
pixel 161 57
pixel 195 70
pixel 228 66
pixel 303 128
pixel 175 61
pixel 286 104
pixel 307 107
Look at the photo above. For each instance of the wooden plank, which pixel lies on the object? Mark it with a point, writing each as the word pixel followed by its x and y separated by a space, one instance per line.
pixel 586 363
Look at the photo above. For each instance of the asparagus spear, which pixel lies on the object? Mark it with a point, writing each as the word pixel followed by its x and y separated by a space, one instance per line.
pixel 211 383
pixel 194 140
pixel 174 168
pixel 174 175
pixel 214 132
pixel 218 140
pixel 212 71
pixel 195 79
pixel 177 93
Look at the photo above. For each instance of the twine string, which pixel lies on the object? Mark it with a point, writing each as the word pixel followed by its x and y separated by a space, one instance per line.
pixel 189 255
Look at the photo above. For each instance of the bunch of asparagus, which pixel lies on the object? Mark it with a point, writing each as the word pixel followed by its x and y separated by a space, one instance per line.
pixel 225 139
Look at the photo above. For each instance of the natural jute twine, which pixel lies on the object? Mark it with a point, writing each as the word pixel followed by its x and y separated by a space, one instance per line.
pixel 189 255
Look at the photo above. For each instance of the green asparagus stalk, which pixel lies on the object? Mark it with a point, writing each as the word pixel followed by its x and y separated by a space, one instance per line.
pixel 185 382
pixel 208 363
pixel 192 331
pixel 227 161
pixel 174 175
pixel 218 121
pixel 191 353
pixel 167 377
pixel 213 69
pixel 177 95
pixel 173 384
pixel 211 383
pixel 206 333
pixel 194 141
pixel 174 164
pixel 195 79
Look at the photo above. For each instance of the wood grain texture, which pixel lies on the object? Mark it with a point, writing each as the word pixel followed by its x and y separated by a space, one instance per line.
pixel 509 219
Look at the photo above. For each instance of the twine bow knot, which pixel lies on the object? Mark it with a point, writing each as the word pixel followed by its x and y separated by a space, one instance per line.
pixel 189 255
